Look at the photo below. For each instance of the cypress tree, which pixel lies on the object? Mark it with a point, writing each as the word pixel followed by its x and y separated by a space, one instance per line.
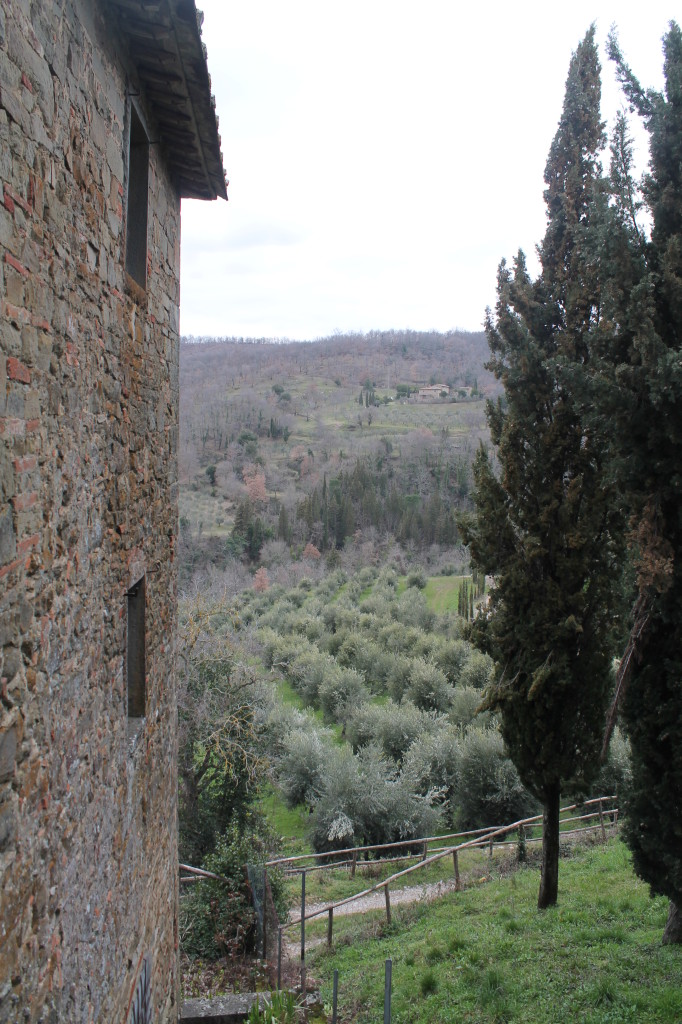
pixel 644 346
pixel 545 528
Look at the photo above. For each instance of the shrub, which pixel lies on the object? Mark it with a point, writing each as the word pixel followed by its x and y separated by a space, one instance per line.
pixel 393 727
pixel 451 656
pixel 465 701
pixel 616 773
pixel 477 670
pixel 490 790
pixel 432 765
pixel 340 692
pixel 364 802
pixel 302 767
pixel 217 918
pixel 398 676
pixel 417 578
pixel 428 687
pixel 307 672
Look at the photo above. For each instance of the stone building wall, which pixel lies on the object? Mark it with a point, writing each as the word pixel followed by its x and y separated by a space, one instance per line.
pixel 88 505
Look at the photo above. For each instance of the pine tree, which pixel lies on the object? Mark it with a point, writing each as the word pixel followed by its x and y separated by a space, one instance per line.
pixel 546 527
pixel 283 527
pixel 644 347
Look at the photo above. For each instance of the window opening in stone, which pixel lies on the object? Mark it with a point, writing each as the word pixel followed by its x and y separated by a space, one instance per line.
pixel 138 189
pixel 137 686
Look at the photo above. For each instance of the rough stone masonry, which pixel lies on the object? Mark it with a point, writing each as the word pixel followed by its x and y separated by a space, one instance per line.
pixel 88 497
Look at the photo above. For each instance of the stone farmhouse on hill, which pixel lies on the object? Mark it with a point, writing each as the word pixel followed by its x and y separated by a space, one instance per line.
pixel 106 122
pixel 433 391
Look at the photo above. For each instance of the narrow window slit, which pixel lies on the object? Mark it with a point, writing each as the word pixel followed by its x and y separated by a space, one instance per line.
pixel 136 668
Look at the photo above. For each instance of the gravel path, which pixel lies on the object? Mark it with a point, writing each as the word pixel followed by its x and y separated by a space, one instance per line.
pixel 377 900
pixel 373 901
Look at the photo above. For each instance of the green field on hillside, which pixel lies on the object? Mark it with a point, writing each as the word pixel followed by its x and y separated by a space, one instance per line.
pixel 442 593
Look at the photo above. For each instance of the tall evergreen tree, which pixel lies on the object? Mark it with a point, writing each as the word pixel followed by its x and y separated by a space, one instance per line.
pixel 545 528
pixel 644 348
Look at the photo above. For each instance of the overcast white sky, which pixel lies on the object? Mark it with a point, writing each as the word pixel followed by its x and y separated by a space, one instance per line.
pixel 383 156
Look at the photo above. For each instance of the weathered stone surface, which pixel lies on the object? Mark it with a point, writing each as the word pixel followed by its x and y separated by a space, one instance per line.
pixel 88 504
pixel 8 752
pixel 231 1009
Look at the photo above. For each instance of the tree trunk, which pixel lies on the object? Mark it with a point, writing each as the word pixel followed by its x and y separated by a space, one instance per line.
pixel 549 879
pixel 672 933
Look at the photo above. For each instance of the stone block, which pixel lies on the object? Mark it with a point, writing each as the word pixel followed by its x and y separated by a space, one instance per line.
pixel 8 753
pixel 8 541
pixel 7 825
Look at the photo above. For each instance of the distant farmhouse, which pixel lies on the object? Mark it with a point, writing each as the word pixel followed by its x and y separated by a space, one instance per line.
pixel 433 391
pixel 106 121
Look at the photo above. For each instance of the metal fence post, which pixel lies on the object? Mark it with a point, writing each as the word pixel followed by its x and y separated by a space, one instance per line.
pixel 335 996
pixel 279 958
pixel 303 932
pixel 387 992
pixel 330 926
pixel 265 913
pixel 455 858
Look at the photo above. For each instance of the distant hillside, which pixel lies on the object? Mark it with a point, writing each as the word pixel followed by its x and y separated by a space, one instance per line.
pixel 386 357
pixel 317 442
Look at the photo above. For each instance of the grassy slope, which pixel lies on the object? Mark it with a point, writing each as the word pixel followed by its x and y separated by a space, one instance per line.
pixel 487 955
pixel 442 593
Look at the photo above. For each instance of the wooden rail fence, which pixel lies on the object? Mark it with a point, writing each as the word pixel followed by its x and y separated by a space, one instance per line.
pixel 492 837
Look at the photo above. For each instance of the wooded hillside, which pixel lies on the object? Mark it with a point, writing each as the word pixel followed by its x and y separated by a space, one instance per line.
pixel 319 442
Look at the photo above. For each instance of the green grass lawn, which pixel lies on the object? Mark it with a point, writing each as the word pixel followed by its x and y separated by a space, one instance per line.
pixel 290 825
pixel 442 593
pixel 487 954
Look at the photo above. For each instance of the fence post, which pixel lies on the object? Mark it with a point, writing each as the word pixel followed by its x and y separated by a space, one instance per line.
pixel 458 884
pixel 601 821
pixel 303 932
pixel 387 991
pixel 279 958
pixel 490 855
pixel 424 852
pixel 330 926
pixel 388 904
pixel 335 996
pixel 353 863
pixel 265 913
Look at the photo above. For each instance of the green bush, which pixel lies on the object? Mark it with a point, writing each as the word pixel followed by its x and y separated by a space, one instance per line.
pixel 465 701
pixel 432 765
pixel 451 656
pixel 398 676
pixel 365 802
pixel 217 918
pixel 490 790
pixel 417 578
pixel 392 727
pixel 341 691
pixel 307 672
pixel 428 687
pixel 302 766
pixel 616 773
pixel 477 670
